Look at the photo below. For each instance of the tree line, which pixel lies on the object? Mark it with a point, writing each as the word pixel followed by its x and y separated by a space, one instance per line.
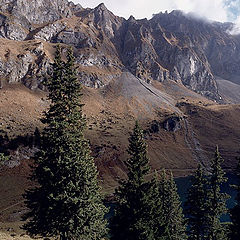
pixel 67 203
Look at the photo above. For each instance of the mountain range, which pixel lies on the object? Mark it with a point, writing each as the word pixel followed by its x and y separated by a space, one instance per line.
pixel 177 73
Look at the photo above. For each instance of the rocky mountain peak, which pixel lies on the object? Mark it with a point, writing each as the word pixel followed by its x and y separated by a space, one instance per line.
pixel 102 12
pixel 101 7
pixel 177 13
pixel 106 20
pixel 132 19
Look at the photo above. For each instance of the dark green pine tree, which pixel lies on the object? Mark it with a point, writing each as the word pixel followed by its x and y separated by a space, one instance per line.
pixel 175 226
pixel 164 198
pixel 235 212
pixel 66 203
pixel 154 210
pixel 138 209
pixel 196 206
pixel 216 202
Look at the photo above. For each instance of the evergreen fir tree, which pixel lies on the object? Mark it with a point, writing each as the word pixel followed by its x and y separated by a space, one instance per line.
pixel 196 206
pixel 216 202
pixel 138 209
pixel 67 203
pixel 164 198
pixel 175 227
pixel 154 211
pixel 235 212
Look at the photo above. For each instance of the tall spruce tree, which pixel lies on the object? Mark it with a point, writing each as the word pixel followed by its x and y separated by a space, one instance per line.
pixel 154 210
pixel 138 209
pixel 66 203
pixel 235 211
pixel 196 206
pixel 164 198
pixel 175 226
pixel 216 202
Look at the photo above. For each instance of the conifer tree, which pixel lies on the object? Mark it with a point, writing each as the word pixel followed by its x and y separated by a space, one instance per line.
pixel 66 203
pixel 235 212
pixel 138 209
pixel 175 227
pixel 154 211
pixel 216 202
pixel 164 198
pixel 196 206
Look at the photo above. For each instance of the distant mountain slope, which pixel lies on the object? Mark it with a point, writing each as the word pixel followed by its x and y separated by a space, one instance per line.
pixel 229 91
pixel 181 130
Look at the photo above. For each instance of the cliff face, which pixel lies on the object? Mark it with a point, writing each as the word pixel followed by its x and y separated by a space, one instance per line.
pixel 173 46
pixel 37 11
pixel 152 52
pixel 19 18
pixel 210 40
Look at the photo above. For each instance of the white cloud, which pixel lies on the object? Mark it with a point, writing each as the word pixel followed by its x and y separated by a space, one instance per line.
pixel 233 4
pixel 236 28
pixel 218 10
pixel 211 9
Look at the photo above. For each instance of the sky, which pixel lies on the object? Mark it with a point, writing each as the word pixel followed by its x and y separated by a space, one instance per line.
pixel 217 10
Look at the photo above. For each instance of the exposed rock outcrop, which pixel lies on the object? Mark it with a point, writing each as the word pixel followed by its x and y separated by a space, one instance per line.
pixel 172 124
pixel 37 11
pixel 29 66
pixel 49 32
pixel 14 29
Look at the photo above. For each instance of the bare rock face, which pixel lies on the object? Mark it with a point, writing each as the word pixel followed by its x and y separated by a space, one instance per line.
pixel 14 29
pixel 195 74
pixel 50 31
pixel 21 17
pixel 152 53
pixel 211 41
pixel 106 20
pixel 29 67
pixel 37 11
pixel 77 38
